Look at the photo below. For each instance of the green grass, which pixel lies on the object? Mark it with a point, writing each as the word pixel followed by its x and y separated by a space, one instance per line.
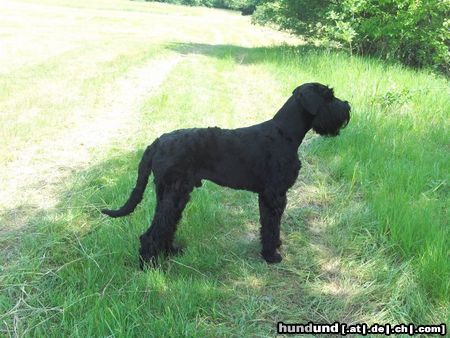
pixel 365 231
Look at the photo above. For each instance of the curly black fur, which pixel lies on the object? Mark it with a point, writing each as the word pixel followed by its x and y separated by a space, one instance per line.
pixel 261 158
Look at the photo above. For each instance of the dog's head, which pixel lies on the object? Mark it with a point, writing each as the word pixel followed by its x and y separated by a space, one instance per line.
pixel 329 113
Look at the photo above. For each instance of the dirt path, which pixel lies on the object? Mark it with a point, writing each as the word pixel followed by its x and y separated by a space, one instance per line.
pixel 30 182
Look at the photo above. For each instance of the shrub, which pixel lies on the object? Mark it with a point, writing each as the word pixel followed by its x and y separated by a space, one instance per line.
pixel 417 32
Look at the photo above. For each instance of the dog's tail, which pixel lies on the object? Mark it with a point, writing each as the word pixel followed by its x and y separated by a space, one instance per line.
pixel 145 168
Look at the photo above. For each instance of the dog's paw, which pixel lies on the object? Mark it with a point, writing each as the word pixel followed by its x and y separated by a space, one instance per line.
pixel 147 258
pixel 175 250
pixel 271 258
pixel 147 262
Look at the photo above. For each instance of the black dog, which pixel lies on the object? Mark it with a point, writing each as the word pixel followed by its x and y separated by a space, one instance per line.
pixel 261 158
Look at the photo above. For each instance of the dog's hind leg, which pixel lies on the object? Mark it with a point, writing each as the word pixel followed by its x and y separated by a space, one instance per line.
pixel 271 208
pixel 159 237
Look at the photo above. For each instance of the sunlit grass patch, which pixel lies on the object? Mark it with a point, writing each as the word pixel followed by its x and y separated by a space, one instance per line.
pixel 53 92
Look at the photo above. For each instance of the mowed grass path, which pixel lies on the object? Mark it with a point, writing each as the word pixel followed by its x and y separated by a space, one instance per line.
pixel 365 231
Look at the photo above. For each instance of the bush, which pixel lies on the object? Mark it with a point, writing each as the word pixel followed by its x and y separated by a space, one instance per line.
pixel 417 32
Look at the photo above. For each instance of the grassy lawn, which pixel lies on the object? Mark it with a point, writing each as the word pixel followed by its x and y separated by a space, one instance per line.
pixel 366 228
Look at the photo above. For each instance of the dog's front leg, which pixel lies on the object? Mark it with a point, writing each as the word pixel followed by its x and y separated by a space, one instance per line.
pixel 271 208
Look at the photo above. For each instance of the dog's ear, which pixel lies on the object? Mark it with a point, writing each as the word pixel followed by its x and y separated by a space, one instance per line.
pixel 313 95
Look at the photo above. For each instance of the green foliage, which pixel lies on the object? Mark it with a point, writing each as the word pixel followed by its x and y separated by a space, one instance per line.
pixel 413 31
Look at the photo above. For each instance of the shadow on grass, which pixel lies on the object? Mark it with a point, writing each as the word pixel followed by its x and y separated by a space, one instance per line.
pixel 284 55
pixel 78 268
pixel 246 55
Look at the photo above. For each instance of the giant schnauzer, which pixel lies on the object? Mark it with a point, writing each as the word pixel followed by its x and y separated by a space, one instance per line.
pixel 261 158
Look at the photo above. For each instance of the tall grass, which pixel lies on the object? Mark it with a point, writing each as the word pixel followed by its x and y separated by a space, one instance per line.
pixel 395 151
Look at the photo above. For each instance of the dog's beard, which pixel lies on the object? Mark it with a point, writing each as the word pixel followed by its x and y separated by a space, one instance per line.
pixel 329 122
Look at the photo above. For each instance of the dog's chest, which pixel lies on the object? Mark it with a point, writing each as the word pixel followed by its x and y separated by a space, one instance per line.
pixel 286 171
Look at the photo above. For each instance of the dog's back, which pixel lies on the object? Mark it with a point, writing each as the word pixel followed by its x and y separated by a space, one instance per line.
pixel 228 157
